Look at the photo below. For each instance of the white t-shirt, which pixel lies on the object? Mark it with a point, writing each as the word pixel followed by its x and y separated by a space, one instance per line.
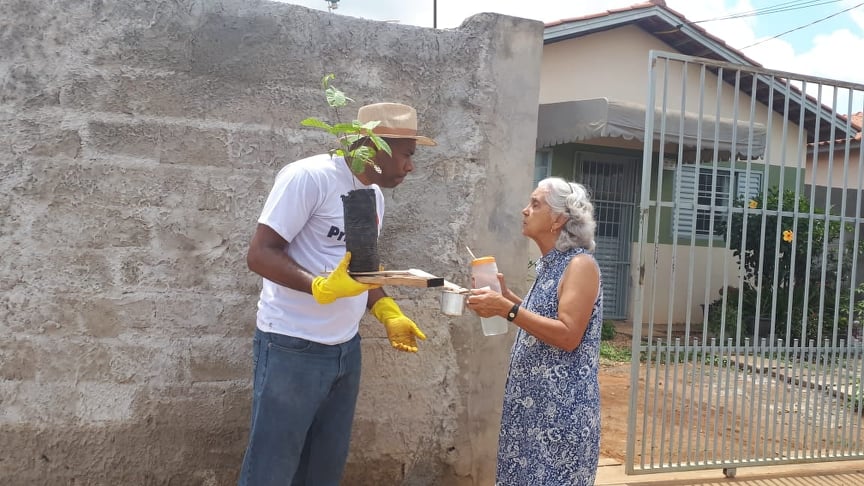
pixel 305 208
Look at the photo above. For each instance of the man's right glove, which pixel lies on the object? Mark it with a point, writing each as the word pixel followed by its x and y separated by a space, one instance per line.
pixel 338 284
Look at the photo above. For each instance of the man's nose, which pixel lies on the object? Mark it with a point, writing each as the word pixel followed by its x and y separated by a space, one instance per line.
pixel 409 165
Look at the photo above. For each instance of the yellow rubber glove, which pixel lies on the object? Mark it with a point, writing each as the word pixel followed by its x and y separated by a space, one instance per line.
pixel 338 284
pixel 401 331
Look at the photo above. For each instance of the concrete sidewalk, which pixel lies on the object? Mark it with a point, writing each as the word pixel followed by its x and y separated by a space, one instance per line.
pixel 843 473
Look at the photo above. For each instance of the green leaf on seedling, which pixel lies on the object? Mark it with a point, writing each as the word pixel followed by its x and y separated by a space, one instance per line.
pixel 364 153
pixel 370 125
pixel 346 128
pixel 316 123
pixel 353 137
pixel 325 81
pixel 357 165
pixel 380 143
pixel 336 98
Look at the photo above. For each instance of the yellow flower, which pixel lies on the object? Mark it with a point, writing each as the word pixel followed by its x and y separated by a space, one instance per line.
pixel 753 204
pixel 788 235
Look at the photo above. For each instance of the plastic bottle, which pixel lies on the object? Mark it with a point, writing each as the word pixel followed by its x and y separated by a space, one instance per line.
pixel 484 273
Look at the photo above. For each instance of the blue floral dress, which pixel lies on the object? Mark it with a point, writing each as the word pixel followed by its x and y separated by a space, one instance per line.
pixel 550 426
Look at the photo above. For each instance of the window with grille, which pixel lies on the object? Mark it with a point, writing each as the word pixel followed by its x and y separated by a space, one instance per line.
pixel 710 192
pixel 542 165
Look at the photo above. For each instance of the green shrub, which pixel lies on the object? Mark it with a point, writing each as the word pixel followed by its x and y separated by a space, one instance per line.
pixel 607 333
pixel 789 246
pixel 611 352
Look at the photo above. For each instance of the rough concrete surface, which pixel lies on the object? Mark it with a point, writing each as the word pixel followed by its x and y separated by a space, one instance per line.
pixel 138 140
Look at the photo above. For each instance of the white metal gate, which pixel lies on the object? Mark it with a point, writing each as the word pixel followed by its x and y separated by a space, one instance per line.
pixel 750 229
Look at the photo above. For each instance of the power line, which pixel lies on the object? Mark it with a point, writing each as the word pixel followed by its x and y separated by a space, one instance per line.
pixel 802 27
pixel 778 8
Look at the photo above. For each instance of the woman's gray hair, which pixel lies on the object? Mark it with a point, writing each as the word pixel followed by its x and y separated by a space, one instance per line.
pixel 571 200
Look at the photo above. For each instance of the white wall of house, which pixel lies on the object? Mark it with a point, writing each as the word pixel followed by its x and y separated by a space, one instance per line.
pixel 837 166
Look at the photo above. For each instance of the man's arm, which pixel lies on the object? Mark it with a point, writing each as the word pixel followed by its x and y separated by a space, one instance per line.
pixel 267 258
pixel 373 297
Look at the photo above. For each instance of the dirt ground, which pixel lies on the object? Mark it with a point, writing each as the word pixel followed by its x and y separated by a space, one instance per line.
pixel 812 414
pixel 614 398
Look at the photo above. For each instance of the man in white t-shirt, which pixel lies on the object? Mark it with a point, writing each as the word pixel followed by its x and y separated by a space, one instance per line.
pixel 306 346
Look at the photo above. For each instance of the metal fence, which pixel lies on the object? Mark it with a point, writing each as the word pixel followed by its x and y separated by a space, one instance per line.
pixel 747 302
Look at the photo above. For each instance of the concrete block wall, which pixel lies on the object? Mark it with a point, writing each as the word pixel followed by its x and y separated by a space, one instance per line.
pixel 138 140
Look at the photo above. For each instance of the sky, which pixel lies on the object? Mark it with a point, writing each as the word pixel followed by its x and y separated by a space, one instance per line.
pixel 828 48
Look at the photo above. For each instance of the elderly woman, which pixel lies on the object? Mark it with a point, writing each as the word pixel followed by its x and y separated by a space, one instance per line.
pixel 550 426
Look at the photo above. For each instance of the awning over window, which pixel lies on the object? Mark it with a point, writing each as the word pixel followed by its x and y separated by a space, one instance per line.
pixel 581 120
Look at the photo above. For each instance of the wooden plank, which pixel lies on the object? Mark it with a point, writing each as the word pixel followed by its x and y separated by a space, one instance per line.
pixel 409 278
pixel 406 280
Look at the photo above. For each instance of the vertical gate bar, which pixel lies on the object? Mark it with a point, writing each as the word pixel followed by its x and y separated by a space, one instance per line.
pixel 661 154
pixel 655 392
pixel 674 418
pixel 789 365
pixel 842 239
pixel 636 344
pixel 771 392
pixel 763 225
pixel 802 431
pixel 840 393
pixel 663 393
pixel 800 173
pixel 745 352
pixel 807 439
pixel 762 380
pixel 676 425
pixel 775 399
pixel 719 354
pixel 828 394
pixel 691 262
pixel 669 401
pixel 691 357
pixel 678 163
pixel 796 387
pixel 751 353
pixel 811 217
pixel 730 378
pixel 702 404
pixel 842 398
pixel 732 196
pixel 822 398
pixel 828 196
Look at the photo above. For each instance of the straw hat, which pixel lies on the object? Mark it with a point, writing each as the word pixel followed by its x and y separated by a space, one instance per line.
pixel 397 121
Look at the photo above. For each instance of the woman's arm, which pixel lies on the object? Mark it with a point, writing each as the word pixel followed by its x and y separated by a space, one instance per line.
pixel 577 292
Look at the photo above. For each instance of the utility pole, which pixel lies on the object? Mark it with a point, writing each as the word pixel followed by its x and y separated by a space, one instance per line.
pixel 434 14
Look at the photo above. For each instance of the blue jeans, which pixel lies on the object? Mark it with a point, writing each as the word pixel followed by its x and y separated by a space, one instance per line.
pixel 303 402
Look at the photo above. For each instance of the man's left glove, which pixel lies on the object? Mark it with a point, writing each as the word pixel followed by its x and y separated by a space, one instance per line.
pixel 401 330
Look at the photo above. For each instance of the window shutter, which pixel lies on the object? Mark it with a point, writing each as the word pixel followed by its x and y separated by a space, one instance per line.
pixel 747 186
pixel 685 201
